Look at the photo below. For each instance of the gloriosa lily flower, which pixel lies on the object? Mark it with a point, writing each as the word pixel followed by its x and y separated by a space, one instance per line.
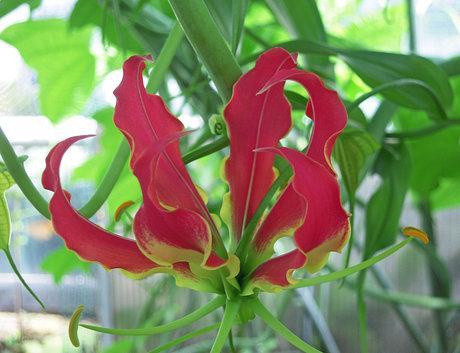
pixel 174 231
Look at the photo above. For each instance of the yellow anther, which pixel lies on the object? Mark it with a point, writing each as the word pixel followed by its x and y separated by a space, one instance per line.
pixel 73 325
pixel 121 209
pixel 417 233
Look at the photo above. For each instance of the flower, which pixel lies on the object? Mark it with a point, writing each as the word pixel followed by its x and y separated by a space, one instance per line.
pixel 174 231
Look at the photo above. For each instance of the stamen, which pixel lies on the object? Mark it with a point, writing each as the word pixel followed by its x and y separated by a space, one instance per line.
pixel 121 209
pixel 73 325
pixel 417 233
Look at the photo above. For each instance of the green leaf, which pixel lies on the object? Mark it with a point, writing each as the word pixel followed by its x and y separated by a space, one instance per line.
pixel 62 60
pixel 61 262
pixel 302 19
pixel 90 12
pixel 239 10
pixel 6 6
pixel 379 68
pixel 6 181
pixel 434 157
pixel 351 152
pixel 384 209
pixel 451 66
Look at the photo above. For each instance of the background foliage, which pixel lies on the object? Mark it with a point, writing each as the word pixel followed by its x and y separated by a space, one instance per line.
pixel 403 131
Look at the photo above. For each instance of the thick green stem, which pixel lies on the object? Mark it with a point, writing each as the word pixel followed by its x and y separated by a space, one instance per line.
pixel 208 43
pixel 182 322
pixel 230 314
pixel 280 328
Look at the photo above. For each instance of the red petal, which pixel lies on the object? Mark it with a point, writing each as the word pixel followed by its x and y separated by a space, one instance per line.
pixel 88 240
pixel 276 274
pixel 325 108
pixel 173 224
pixel 330 117
pixel 144 119
pixel 255 120
pixel 326 226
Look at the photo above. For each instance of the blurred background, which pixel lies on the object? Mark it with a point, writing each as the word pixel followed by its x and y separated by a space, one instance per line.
pixel 59 63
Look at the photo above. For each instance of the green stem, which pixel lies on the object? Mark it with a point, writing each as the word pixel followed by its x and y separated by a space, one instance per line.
pixel 230 314
pixel 182 322
pixel 411 25
pixel 184 338
pixel 280 328
pixel 24 283
pixel 17 171
pixel 414 300
pixel 160 68
pixel 108 181
pixel 205 150
pixel 350 270
pixel 231 343
pixel 208 43
pixel 400 83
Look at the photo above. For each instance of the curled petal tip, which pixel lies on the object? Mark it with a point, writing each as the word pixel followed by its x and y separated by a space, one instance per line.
pixel 73 325
pixel 416 233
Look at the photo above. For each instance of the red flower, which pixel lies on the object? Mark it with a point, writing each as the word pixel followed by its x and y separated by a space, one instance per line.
pixel 174 231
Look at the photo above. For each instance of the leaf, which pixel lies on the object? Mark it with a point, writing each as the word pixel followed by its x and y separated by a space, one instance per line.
pixel 451 66
pixel 302 19
pixel 90 12
pixel 378 68
pixel 6 181
pixel 384 209
pixel 62 60
pixel 434 157
pixel 6 6
pixel 61 262
pixel 351 152
pixel 239 10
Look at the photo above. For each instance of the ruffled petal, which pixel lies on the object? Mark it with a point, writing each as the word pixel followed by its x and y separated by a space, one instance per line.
pixel 173 224
pixel 326 226
pixel 144 119
pixel 255 120
pixel 88 240
pixel 325 108
pixel 329 116
pixel 275 274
